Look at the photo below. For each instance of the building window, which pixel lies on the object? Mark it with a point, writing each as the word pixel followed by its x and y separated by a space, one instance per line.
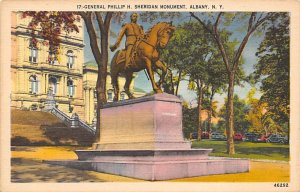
pixel 33 88
pixel 122 96
pixel 33 54
pixel 70 59
pixel 53 84
pixel 54 53
pixel 71 89
pixel 52 59
pixel 109 95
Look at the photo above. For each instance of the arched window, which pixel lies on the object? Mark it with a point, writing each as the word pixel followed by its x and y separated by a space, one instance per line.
pixel 52 57
pixel 53 84
pixel 71 89
pixel 33 81
pixel 33 53
pixel 109 95
pixel 70 59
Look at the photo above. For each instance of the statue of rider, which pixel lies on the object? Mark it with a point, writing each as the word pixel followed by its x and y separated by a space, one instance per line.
pixel 133 32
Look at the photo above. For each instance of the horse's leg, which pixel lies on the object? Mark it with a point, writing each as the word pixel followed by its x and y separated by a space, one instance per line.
pixel 116 88
pixel 128 77
pixel 114 78
pixel 151 76
pixel 163 69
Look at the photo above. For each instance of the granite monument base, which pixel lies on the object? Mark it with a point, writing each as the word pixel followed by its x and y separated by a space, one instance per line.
pixel 142 138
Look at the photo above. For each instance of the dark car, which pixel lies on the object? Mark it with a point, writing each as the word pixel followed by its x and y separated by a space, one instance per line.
pixel 274 138
pixel 218 136
pixel 194 135
pixel 204 135
pixel 252 137
pixel 238 137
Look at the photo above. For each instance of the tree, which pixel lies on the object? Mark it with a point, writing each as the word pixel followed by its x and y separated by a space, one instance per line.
pixel 52 24
pixel 241 110
pixel 216 84
pixel 272 69
pixel 197 54
pixel 212 24
pixel 189 120
pixel 174 58
pixel 256 113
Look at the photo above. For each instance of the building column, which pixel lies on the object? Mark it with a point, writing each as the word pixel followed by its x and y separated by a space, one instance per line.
pixel 61 85
pixel 91 103
pixel 64 86
pixel 46 82
pixel 41 84
pixel 86 104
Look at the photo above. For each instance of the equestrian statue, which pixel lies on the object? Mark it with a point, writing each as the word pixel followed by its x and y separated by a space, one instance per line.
pixel 141 52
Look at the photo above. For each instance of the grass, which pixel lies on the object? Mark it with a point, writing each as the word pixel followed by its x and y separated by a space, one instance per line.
pixel 268 151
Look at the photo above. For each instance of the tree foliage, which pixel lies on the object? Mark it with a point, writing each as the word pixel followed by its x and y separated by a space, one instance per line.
pixel 241 109
pixel 215 24
pixel 273 67
pixel 189 121
pixel 49 25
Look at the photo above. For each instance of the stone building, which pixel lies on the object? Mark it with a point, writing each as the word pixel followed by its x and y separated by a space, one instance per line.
pixel 35 70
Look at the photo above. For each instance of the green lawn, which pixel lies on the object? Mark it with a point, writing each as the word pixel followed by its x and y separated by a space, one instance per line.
pixel 269 151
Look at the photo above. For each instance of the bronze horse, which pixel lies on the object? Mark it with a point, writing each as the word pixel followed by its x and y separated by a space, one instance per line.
pixel 146 56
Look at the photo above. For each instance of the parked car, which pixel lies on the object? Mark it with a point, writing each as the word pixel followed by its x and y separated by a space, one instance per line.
pixel 263 138
pixel 194 135
pixel 274 138
pixel 205 135
pixel 238 137
pixel 218 136
pixel 252 137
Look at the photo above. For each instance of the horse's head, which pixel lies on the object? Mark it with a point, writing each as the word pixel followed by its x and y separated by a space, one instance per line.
pixel 165 34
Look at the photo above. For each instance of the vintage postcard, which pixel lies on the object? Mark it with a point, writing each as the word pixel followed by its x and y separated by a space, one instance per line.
pixel 150 96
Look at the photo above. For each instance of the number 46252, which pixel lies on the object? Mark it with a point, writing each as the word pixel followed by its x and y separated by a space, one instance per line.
pixel 281 185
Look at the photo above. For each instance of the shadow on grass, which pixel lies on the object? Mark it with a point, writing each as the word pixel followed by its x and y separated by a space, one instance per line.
pixel 27 171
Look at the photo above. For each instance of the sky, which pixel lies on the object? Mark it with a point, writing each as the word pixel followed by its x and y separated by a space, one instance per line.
pixel 141 80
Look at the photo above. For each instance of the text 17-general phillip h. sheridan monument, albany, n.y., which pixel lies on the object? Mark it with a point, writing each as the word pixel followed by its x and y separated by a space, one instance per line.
pixel 142 138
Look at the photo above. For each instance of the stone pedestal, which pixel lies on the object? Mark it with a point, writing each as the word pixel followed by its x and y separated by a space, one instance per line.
pixel 148 123
pixel 142 138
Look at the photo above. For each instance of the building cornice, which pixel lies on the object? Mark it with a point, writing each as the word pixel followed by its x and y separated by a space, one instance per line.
pixel 81 45
pixel 47 69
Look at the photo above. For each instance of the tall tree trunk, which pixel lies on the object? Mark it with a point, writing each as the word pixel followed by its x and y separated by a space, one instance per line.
pixel 210 113
pixel 172 84
pixel 230 116
pixel 100 55
pixel 200 98
pixel 101 80
pixel 177 83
